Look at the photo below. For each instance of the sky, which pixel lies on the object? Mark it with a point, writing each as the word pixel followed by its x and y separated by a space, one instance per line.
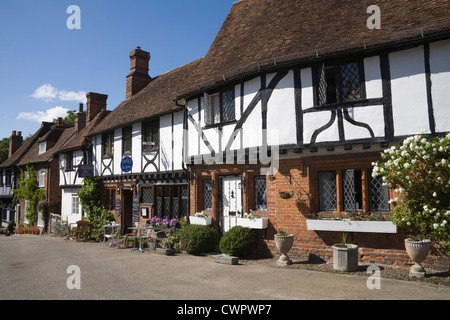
pixel 48 64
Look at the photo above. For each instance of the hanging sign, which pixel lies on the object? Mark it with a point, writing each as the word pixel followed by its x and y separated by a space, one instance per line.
pixel 126 164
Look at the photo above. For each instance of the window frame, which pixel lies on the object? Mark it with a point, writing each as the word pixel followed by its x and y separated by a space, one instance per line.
pixel 210 115
pixel 339 164
pixel 338 81
pixel 41 178
pixel 108 145
pixel 258 206
pixel 75 204
pixel 42 147
pixel 150 140
pixel 127 139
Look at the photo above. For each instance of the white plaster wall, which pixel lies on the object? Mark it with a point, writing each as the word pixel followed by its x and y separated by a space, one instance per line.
pixel 372 72
pixel 97 154
pixel 315 120
pixel 409 95
pixel 252 128
pixel 66 206
pixel 178 140
pixel 307 89
pixel 281 112
pixel 372 116
pixel 440 78
pixel 117 151
pixel 192 139
pixel 136 150
pixel 165 134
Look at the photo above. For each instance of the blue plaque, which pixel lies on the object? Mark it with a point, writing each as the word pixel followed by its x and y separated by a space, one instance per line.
pixel 126 164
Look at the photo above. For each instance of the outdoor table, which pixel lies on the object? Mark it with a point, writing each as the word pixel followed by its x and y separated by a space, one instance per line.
pixel 113 226
pixel 140 229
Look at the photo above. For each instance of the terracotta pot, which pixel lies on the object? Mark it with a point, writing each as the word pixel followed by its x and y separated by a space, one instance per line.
pixel 284 244
pixel 417 251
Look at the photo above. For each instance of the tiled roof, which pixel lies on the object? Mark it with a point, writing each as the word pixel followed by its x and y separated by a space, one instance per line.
pixel 268 33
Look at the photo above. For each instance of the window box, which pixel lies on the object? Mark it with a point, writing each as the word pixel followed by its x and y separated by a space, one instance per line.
pixel 346 225
pixel 257 223
pixel 204 221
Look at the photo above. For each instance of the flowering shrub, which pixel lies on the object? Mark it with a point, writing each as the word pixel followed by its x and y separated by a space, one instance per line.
pixel 419 173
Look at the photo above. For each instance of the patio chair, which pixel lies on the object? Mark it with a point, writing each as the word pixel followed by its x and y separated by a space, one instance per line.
pixel 83 230
pixel 109 235
pixel 69 231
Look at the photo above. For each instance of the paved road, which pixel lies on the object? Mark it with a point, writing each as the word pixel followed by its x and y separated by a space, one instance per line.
pixel 36 268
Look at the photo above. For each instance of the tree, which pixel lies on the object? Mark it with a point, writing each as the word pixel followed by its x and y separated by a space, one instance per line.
pixel 4 147
pixel 28 189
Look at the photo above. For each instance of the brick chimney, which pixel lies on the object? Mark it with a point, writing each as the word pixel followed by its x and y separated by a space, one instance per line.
pixel 80 119
pixel 15 142
pixel 96 102
pixel 138 78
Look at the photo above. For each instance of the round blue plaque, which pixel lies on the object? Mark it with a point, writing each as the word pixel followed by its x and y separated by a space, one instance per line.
pixel 126 164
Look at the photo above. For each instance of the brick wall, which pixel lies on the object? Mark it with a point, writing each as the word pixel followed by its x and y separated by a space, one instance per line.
pixel 296 176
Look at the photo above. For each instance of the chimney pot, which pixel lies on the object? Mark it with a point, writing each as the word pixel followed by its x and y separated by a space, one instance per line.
pixel 80 108
pixel 15 142
pixel 96 102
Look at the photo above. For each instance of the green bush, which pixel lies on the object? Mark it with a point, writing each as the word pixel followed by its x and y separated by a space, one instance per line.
pixel 238 241
pixel 198 239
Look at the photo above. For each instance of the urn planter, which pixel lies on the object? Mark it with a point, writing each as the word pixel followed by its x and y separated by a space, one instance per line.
pixel 284 244
pixel 417 251
pixel 345 257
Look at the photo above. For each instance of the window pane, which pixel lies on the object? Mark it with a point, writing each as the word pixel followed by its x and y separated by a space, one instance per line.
pixel 327 85
pixel 147 195
pixel 327 191
pixel 352 185
pixel 260 193
pixel 227 103
pixel 126 140
pixel 378 194
pixel 207 194
pixel 350 83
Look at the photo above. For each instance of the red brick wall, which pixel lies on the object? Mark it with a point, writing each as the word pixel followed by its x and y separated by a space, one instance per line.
pixel 291 214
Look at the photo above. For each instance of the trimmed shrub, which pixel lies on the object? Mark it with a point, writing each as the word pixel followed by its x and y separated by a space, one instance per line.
pixel 238 241
pixel 198 239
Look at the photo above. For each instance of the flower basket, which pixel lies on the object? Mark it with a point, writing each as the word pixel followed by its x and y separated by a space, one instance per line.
pixel 285 194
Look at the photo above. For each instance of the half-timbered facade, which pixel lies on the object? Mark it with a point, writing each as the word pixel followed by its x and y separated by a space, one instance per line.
pixel 138 148
pixel 75 156
pixel 291 108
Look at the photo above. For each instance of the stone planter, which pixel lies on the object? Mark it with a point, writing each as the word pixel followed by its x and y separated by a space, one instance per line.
pixel 257 223
pixel 345 258
pixel 284 244
pixel 417 251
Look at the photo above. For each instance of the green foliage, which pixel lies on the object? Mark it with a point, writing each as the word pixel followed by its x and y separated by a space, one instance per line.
pixel 90 200
pixel 419 173
pixel 238 241
pixel 198 239
pixel 4 147
pixel 28 189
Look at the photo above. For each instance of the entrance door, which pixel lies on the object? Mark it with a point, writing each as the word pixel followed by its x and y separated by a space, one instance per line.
pixel 127 212
pixel 231 201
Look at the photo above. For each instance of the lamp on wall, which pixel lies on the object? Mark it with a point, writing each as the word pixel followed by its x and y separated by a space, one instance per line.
pixel 243 183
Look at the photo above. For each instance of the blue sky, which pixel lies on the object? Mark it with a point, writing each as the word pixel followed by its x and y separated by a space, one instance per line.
pixel 46 68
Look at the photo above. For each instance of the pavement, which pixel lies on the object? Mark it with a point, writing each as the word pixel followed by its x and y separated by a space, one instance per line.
pixel 49 268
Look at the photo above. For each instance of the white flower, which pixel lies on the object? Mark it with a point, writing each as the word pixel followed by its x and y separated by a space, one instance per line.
pixel 435 226
pixel 443 161
pixel 408 223
pixel 437 216
pixel 406 165
pixel 434 194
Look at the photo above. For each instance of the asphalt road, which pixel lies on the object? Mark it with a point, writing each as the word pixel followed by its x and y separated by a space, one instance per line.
pixel 36 268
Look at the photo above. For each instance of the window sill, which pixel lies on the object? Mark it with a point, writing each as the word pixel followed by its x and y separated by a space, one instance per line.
pixel 220 124
pixel 346 225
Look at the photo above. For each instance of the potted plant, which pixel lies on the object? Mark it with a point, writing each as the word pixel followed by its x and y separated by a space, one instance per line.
pixel 283 242
pixel 10 228
pixel 345 256
pixel 252 221
pixel 418 172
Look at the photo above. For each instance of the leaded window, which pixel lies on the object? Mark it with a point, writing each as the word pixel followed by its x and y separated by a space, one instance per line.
pixel 339 83
pixel 327 191
pixel 207 194
pixel 260 193
pixel 219 107
pixel 378 193
pixel 150 136
pixel 352 187
pixel 108 144
pixel 126 140
pixel 147 195
pixel 170 201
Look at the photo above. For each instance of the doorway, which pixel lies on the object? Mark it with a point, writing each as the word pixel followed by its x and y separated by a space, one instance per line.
pixel 231 201
pixel 127 211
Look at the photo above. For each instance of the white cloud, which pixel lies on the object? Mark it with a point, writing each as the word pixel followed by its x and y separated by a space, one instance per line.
pixel 48 93
pixel 47 115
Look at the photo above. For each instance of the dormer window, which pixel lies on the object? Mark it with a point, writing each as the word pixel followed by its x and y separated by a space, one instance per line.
pixel 220 107
pixel 42 147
